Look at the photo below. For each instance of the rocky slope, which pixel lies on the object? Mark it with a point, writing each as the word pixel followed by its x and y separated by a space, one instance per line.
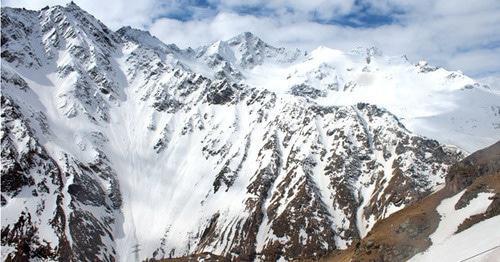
pixel 455 223
pixel 116 146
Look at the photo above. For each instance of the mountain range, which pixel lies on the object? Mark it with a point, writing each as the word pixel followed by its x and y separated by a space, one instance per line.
pixel 119 147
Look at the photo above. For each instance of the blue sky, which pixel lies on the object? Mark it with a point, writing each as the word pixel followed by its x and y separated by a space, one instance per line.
pixel 458 35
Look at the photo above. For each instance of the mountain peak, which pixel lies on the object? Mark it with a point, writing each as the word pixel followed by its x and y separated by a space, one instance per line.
pixel 146 39
pixel 247 35
pixel 131 33
pixel 247 38
pixel 72 6
pixel 367 51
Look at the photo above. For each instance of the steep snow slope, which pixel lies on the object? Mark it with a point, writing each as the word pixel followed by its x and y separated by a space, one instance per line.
pixel 456 247
pixel 433 102
pixel 115 139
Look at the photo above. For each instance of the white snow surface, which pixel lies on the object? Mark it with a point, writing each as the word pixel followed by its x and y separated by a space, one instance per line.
pixel 448 246
pixel 473 241
pixel 433 102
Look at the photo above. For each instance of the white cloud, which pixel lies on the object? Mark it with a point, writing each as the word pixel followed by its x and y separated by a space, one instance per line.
pixel 455 36
pixel 460 34
pixel 486 60
pixel 493 81
pixel 114 13
pixel 322 8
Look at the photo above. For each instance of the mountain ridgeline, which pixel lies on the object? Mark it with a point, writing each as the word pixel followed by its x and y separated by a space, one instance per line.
pixel 117 146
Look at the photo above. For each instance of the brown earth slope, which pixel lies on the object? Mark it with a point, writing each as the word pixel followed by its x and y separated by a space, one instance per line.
pixel 406 233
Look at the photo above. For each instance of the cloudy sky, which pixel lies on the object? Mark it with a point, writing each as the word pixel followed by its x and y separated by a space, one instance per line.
pixel 455 34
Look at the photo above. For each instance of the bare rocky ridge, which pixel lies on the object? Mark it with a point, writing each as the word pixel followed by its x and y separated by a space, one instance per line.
pixel 110 140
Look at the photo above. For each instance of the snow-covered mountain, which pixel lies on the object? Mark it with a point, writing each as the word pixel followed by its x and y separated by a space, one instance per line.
pixel 115 142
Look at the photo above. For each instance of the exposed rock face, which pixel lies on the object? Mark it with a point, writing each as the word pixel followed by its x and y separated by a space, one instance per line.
pixel 111 141
pixel 55 203
pixel 407 232
pixel 482 162
pixel 228 59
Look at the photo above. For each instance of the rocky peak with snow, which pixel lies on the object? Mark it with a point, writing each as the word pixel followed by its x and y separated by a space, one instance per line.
pixel 115 141
pixel 232 58
pixel 247 50
pixel 145 39
pixel 250 50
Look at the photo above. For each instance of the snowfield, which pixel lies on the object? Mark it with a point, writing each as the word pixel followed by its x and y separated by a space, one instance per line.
pixel 433 102
pixel 473 241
